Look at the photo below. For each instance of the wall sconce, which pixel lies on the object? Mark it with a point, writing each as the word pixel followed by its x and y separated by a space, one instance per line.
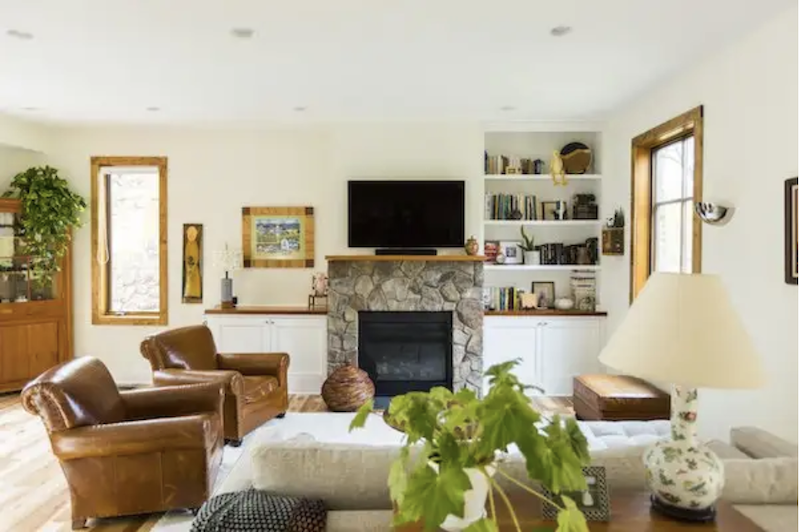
pixel 713 213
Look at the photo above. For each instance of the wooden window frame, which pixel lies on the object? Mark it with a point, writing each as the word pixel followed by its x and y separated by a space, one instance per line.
pixel 688 124
pixel 101 315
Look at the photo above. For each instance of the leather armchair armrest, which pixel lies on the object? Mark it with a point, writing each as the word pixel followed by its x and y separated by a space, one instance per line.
pixel 232 380
pixel 275 364
pixel 173 401
pixel 132 437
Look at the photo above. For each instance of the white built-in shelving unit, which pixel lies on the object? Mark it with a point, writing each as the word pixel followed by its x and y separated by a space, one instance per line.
pixel 536 144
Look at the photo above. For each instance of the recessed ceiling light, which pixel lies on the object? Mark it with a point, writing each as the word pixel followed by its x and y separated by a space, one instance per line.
pixel 560 31
pixel 153 109
pixel 30 109
pixel 242 33
pixel 300 108
pixel 23 35
pixel 507 108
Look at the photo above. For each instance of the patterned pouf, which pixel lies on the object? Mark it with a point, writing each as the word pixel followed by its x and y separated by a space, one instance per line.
pixel 260 511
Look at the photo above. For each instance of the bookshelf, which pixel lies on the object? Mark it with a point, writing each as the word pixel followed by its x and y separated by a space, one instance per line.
pixel 518 196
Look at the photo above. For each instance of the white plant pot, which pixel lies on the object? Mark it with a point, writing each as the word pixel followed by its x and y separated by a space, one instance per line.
pixel 474 500
pixel 532 257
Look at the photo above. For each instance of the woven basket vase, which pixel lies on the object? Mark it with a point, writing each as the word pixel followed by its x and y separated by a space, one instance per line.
pixel 347 389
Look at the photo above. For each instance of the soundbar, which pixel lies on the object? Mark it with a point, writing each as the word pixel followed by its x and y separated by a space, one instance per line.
pixel 405 251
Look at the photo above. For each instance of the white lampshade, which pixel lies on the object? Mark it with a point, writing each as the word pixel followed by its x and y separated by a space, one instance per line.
pixel 683 329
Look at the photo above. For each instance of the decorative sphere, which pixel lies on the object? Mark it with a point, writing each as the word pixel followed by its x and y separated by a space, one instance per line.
pixel 347 388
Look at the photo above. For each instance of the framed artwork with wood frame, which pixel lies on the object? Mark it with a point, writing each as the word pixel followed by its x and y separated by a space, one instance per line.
pixel 790 232
pixel 666 193
pixel 129 241
pixel 192 287
pixel 278 237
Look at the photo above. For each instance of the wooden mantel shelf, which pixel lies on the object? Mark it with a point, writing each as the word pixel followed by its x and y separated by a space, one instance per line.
pixel 397 258
pixel 299 310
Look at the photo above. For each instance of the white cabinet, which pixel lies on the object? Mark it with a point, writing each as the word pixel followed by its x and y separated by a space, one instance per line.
pixel 508 338
pixel 568 347
pixel 552 350
pixel 303 337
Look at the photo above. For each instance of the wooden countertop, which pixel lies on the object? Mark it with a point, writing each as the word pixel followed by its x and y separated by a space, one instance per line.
pixel 300 310
pixel 396 258
pixel 544 312
pixel 267 310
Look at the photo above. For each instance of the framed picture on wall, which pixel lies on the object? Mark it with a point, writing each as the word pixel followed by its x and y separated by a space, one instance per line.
pixel 192 287
pixel 278 237
pixel 790 231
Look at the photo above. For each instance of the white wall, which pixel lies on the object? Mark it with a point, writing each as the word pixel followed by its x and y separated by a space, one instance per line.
pixel 212 174
pixel 14 160
pixel 749 93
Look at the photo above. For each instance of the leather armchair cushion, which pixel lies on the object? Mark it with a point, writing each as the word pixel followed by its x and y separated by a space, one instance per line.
pixel 199 431
pixel 254 363
pixel 256 388
pixel 186 348
pixel 231 380
pixel 173 401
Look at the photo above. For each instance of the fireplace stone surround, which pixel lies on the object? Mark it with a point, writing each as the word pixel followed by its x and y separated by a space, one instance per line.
pixel 408 283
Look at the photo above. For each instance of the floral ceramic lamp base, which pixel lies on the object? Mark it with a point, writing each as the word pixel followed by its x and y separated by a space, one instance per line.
pixel 684 476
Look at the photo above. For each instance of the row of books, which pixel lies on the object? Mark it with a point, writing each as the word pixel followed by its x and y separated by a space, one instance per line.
pixel 502 298
pixel 558 253
pixel 511 207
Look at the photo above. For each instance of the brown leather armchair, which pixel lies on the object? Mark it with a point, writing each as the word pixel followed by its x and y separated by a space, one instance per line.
pixel 255 383
pixel 130 452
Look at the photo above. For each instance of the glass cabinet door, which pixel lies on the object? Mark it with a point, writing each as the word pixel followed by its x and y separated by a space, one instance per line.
pixel 18 283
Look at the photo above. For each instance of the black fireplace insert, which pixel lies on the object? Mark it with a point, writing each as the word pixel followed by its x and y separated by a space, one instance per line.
pixel 406 351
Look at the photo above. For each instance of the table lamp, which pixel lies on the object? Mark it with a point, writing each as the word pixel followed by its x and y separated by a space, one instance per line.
pixel 683 329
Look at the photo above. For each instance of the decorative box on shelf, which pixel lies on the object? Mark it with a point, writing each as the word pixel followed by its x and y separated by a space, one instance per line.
pixel 613 241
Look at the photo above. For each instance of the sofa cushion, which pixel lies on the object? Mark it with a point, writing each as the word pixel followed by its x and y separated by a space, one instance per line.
pixel 763 481
pixel 255 388
pixel 615 435
pixel 725 451
pixel 759 443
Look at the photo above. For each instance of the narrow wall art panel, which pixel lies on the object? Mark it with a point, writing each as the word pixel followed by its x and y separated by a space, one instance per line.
pixel 790 214
pixel 192 287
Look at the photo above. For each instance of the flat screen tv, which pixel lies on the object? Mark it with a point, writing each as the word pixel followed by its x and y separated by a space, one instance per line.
pixel 405 214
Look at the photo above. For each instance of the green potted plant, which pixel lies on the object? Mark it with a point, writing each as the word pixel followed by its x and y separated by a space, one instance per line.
pixel 458 442
pixel 50 210
pixel 529 253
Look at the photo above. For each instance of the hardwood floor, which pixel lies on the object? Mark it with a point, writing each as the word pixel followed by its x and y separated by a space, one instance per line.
pixel 34 494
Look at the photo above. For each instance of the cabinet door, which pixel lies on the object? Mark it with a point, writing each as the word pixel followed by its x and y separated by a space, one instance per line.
pixel 507 338
pixel 27 350
pixel 241 334
pixel 568 347
pixel 305 339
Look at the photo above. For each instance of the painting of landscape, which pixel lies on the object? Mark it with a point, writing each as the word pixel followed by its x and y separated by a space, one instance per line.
pixel 278 237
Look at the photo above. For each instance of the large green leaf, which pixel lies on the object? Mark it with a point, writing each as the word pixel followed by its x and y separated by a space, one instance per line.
pixel 432 497
pixel 361 416
pixel 398 477
pixel 571 519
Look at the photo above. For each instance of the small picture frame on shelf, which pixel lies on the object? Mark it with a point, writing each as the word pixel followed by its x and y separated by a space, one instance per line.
pixel 490 250
pixel 592 502
pixel 512 251
pixel 546 292
pixel 554 210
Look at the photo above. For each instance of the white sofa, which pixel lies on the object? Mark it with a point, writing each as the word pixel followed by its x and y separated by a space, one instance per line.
pixel 350 476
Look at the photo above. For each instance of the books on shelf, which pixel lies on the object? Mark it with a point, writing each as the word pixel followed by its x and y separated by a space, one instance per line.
pixel 500 206
pixel 502 298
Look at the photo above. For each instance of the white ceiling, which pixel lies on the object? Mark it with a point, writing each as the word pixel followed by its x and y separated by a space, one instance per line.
pixel 108 60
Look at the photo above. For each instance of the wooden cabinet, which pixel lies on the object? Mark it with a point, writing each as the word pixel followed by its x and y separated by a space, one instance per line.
pixel 35 315
pixel 303 337
pixel 552 350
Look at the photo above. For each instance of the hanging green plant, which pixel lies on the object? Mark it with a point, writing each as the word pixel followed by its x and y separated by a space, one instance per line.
pixel 49 211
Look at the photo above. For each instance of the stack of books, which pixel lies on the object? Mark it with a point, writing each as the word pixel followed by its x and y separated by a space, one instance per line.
pixel 511 207
pixel 502 298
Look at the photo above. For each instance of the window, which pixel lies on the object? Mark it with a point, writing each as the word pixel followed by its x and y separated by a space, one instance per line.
pixel 129 240
pixel 666 182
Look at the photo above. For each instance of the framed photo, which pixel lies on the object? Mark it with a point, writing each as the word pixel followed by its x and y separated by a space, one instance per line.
pixel 554 210
pixel 593 502
pixel 546 292
pixel 192 287
pixel 790 232
pixel 490 250
pixel 512 251
pixel 278 237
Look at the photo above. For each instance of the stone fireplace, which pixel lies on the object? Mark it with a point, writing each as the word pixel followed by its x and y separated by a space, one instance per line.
pixel 383 291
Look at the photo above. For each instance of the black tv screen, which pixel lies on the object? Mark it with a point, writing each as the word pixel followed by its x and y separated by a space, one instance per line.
pixel 405 214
